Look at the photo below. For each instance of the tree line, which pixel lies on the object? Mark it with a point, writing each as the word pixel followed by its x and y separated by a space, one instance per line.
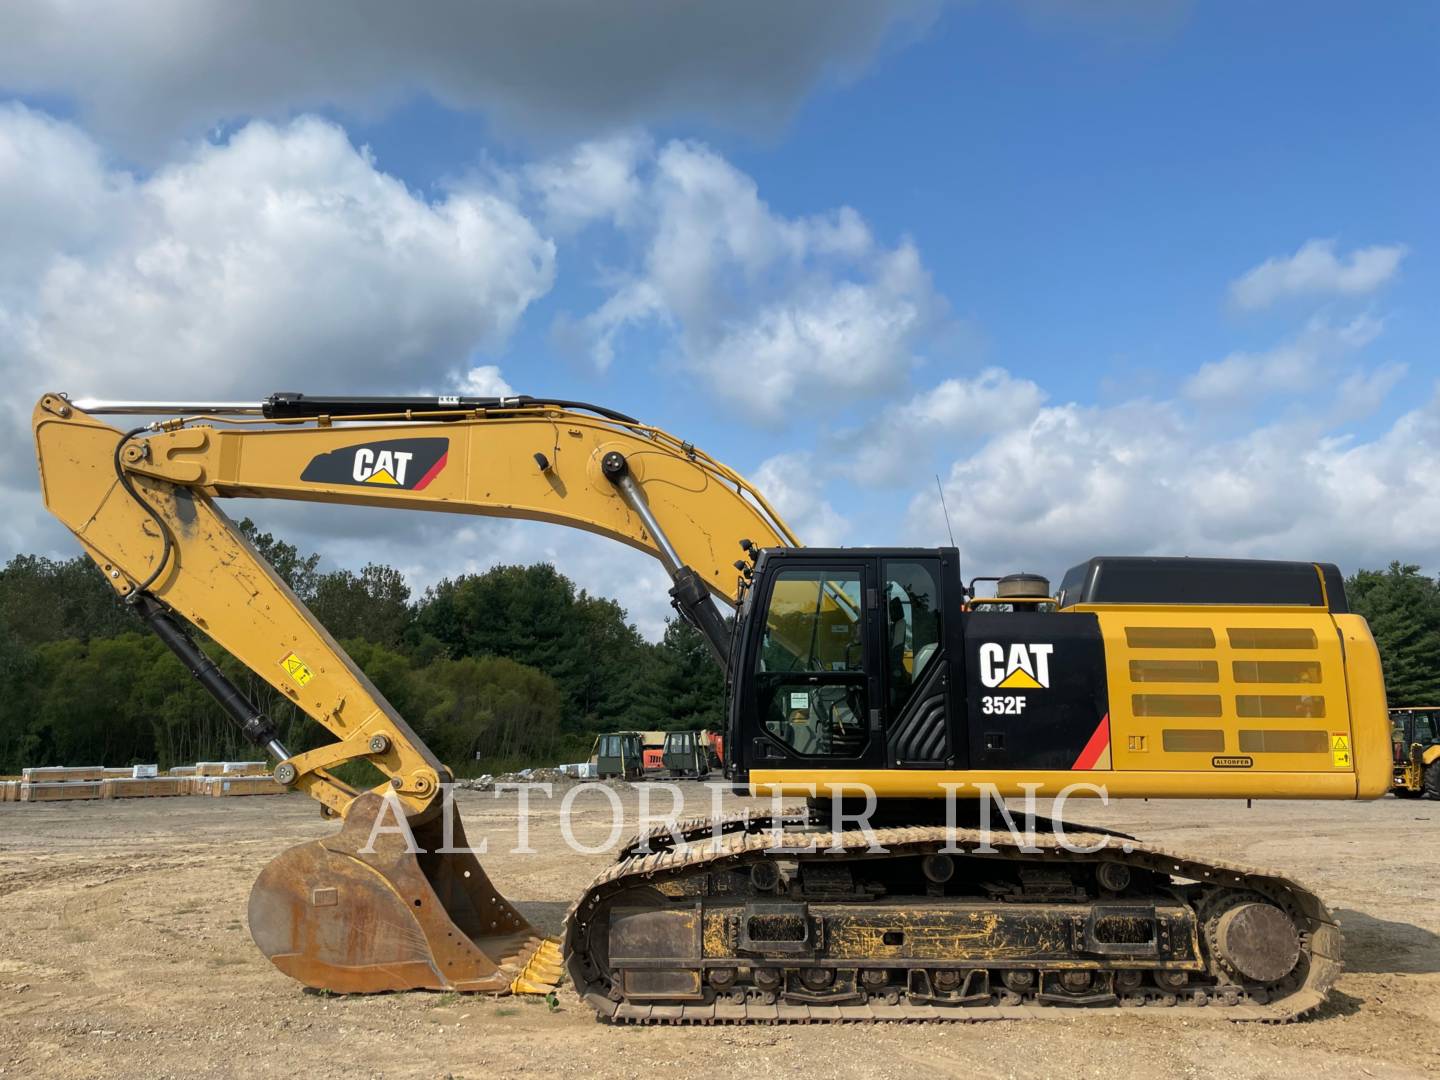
pixel 512 667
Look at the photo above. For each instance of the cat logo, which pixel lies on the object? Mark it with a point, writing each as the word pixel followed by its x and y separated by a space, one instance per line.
pixel 409 464
pixel 1021 667
pixel 381 466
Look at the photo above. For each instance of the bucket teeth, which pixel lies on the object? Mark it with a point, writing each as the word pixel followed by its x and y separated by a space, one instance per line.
pixel 543 972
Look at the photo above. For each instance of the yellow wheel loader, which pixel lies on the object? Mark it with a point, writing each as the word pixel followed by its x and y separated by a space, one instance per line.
pixel 871 682
pixel 1416 738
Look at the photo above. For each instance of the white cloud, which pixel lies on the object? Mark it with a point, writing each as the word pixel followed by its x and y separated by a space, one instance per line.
pixel 146 71
pixel 953 413
pixel 485 381
pixel 991 401
pixel 595 181
pixel 1315 269
pixel 54 192
pixel 774 313
pixel 1149 478
pixel 283 255
pixel 792 484
pixel 1294 367
pixel 283 258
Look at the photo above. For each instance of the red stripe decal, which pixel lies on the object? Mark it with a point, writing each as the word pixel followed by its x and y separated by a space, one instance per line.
pixel 1098 744
pixel 434 472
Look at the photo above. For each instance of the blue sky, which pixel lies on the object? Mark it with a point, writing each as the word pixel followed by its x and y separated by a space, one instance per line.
pixel 1128 277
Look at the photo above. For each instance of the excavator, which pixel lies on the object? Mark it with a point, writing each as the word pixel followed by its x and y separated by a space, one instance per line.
pixel 873 683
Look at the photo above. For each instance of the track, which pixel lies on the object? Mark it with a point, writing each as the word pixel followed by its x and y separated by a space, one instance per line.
pixel 736 930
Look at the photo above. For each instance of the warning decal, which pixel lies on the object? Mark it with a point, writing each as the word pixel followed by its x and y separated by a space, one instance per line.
pixel 297 669
pixel 1340 750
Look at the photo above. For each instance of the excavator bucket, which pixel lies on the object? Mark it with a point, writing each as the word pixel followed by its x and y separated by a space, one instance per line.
pixel 361 912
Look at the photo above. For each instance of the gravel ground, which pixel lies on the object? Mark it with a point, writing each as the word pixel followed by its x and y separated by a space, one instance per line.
pixel 123 952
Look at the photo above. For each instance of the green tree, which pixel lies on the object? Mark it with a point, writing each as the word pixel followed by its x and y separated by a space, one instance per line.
pixel 298 571
pixel 47 600
pixel 1402 606
pixel 490 713
pixel 687 688
pixel 373 604
pixel 533 615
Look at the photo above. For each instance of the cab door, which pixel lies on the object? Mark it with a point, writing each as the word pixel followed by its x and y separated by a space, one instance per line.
pixel 920 616
pixel 813 694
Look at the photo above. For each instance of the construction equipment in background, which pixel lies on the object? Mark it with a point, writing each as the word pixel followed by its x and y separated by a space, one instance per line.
pixel 848 669
pixel 1415 733
pixel 619 755
pixel 714 743
pixel 652 747
pixel 685 756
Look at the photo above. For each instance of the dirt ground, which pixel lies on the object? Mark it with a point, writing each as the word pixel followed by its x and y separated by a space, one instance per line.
pixel 123 952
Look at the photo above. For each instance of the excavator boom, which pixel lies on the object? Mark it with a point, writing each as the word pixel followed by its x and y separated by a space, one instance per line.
pixel 143 504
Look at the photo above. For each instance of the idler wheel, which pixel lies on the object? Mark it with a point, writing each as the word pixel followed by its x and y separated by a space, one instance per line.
pixel 1259 941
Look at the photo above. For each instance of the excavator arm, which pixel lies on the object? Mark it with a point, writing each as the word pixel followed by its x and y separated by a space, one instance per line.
pixel 144 504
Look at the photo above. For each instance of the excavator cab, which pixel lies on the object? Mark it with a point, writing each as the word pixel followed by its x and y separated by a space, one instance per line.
pixel 840 659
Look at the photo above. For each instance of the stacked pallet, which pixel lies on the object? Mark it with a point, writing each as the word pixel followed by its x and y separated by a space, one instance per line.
pixel 70 774
pixel 210 778
pixel 231 768
pixel 220 786
pixel 140 787
pixel 58 790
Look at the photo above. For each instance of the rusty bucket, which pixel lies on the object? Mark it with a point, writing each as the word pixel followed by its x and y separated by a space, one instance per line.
pixel 361 912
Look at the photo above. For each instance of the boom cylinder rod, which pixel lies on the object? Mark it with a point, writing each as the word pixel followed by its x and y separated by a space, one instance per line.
pixel 688 593
pixel 288 406
pixel 253 724
pixel 120 407
pixel 617 471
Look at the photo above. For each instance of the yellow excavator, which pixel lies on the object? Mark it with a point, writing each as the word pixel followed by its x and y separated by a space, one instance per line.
pixel 875 683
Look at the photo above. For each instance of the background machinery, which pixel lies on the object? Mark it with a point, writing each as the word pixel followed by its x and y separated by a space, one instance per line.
pixel 850 671
pixel 1416 735
pixel 685 755
pixel 619 755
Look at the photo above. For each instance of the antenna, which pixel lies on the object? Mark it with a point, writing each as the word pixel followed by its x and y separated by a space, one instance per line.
pixel 946 510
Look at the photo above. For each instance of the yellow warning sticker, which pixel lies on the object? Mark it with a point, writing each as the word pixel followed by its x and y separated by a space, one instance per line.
pixel 297 669
pixel 1340 750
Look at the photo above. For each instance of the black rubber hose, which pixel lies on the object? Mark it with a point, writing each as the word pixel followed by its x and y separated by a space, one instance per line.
pixel 129 486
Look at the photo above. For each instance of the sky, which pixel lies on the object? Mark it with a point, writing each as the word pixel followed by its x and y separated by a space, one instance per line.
pixel 1126 276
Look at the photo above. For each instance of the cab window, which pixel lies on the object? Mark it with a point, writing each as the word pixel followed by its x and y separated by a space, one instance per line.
pixel 813 623
pixel 912 627
pixel 810 672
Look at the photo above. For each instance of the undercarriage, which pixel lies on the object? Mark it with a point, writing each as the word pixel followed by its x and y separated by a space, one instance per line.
pixel 774 921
